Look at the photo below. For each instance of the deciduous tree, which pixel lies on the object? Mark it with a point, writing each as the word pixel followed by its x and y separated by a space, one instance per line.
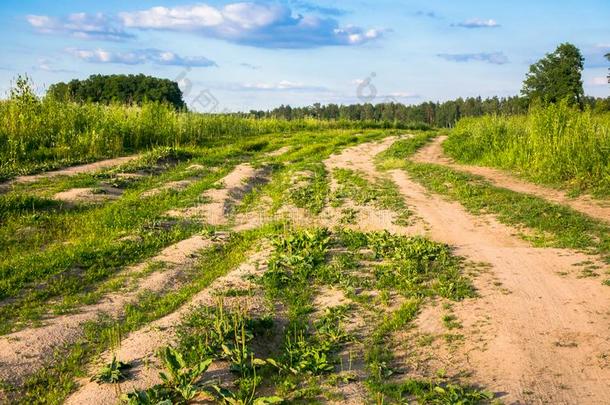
pixel 556 77
pixel 129 89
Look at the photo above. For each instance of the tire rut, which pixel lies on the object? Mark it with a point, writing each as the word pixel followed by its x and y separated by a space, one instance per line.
pixel 523 354
pixel 433 153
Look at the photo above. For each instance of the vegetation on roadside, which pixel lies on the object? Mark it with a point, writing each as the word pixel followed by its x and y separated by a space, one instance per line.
pixel 554 144
pixel 544 223
pixel 113 372
pixel 41 134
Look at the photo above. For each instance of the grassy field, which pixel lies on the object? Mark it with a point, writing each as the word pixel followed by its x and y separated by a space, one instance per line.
pixel 60 257
pixel 242 261
pixel 554 145
pixel 42 134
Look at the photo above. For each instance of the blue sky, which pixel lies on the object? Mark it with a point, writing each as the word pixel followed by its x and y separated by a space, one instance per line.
pixel 230 55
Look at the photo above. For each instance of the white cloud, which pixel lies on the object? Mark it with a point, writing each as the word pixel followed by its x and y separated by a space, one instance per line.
pixel 495 58
pixel 283 85
pixel 478 23
pixel 80 25
pixel 356 35
pixel 248 23
pixel 182 17
pixel 136 57
pixel 254 24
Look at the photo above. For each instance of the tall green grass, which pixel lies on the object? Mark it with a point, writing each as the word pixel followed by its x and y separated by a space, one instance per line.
pixel 554 145
pixel 39 134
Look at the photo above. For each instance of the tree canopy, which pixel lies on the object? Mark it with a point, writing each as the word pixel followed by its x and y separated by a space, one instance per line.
pixel 128 89
pixel 556 77
pixel 608 56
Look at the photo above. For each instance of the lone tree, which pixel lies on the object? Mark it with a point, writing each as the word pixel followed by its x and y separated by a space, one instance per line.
pixel 556 77
pixel 608 56
pixel 128 89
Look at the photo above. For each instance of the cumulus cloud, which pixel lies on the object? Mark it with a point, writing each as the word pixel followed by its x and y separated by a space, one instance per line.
pixel 140 56
pixel 495 58
pixel 81 25
pixel 254 24
pixel 283 85
pixel 478 23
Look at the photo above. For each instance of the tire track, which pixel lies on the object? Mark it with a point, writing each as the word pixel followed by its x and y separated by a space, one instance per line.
pixel 433 153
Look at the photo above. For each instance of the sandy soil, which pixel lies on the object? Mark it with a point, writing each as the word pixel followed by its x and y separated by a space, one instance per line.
pixel 89 195
pixel 68 171
pixel 534 335
pixel 278 152
pixel 139 348
pixel 547 340
pixel 170 186
pixel 368 218
pixel 220 201
pixel 23 352
pixel 360 158
pixel 433 153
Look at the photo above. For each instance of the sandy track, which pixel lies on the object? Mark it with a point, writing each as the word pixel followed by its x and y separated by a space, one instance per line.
pixel 433 153
pixel 221 200
pixel 546 341
pixel 360 158
pixel 25 351
pixel 68 171
pixel 139 348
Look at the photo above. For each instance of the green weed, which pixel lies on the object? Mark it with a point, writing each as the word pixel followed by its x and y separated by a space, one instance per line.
pixel 113 372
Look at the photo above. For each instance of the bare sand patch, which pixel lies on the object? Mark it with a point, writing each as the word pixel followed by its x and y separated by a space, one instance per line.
pixel 68 171
pixel 221 200
pixel 89 195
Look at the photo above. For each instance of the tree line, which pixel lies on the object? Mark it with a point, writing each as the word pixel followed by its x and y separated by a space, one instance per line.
pixel 439 114
pixel 554 78
pixel 127 89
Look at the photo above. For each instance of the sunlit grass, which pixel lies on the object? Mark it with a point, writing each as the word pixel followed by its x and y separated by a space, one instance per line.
pixel 553 145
